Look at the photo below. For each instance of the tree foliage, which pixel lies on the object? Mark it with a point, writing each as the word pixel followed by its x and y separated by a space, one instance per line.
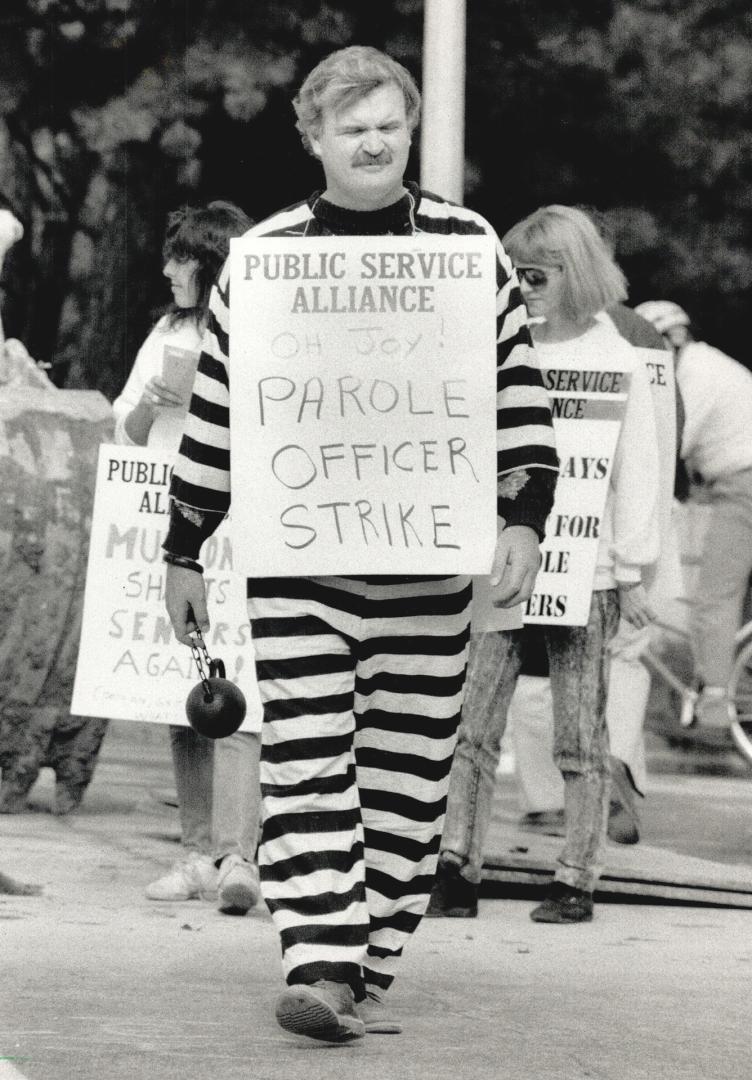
pixel 114 111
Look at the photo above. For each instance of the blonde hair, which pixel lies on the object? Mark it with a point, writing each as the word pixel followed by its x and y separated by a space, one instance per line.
pixel 346 76
pixel 567 237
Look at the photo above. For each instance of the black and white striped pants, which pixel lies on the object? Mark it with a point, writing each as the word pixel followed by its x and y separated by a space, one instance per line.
pixel 361 682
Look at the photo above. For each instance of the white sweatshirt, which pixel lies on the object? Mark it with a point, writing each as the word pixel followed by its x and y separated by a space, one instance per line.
pixel 717 396
pixel 629 537
pixel 167 429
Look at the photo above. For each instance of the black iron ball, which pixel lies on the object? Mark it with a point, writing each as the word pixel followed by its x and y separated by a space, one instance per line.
pixel 217 712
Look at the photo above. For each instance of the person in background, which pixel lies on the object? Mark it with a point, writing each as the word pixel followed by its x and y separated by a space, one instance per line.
pixel 716 448
pixel 217 784
pixel 567 277
pixel 361 678
pixel 531 730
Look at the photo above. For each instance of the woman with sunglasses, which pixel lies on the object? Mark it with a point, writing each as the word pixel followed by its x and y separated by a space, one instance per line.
pixel 567 277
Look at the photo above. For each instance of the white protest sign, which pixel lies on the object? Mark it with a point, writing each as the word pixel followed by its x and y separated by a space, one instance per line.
pixel 663 580
pixel 363 405
pixel 130 667
pixel 588 399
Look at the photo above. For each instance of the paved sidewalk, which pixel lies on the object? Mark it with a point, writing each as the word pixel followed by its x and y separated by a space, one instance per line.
pixel 100 984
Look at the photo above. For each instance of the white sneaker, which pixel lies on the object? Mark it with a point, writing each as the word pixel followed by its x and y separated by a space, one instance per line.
pixel 237 885
pixel 194 878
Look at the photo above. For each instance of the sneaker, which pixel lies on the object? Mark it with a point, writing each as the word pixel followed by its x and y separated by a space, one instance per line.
pixel 623 819
pixel 237 885
pixel 452 895
pixel 550 822
pixel 375 1015
pixel 194 878
pixel 564 904
pixel 322 1010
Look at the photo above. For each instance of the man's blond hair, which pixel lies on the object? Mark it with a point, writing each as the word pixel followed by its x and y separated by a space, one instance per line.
pixel 344 77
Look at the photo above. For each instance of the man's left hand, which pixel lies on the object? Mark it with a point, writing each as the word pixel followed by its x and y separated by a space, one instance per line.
pixel 516 562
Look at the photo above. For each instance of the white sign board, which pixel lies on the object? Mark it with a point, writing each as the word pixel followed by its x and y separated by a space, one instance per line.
pixel 363 415
pixel 588 408
pixel 663 580
pixel 130 667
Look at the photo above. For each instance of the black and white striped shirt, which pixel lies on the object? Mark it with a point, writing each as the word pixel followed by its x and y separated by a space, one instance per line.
pixel 524 444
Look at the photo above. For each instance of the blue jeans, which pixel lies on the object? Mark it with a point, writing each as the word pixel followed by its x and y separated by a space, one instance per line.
pixel 578 665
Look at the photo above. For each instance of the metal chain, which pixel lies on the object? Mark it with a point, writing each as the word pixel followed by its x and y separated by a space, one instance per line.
pixel 203 660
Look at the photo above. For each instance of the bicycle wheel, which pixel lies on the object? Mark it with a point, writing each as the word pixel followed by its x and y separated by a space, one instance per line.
pixel 740 698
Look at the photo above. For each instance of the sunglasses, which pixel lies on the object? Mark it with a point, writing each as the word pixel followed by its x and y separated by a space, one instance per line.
pixel 534 276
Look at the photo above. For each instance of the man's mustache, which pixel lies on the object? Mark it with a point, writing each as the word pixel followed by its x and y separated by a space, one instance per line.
pixel 384 158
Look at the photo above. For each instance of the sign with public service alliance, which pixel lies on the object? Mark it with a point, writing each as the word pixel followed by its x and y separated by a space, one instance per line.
pixel 363 404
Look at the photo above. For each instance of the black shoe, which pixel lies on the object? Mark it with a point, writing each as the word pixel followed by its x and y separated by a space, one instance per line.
pixel 564 904
pixel 452 895
pixel 623 820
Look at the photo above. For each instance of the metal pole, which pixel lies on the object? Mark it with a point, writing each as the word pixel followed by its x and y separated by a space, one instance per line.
pixel 11 231
pixel 442 144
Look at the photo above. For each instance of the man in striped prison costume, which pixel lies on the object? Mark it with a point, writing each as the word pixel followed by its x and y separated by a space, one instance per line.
pixel 361 678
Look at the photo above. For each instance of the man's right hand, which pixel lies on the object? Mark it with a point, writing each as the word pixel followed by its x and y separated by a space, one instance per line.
pixel 185 599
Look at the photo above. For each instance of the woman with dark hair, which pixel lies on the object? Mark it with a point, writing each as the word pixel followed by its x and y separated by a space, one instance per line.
pixel 151 409
pixel 217 787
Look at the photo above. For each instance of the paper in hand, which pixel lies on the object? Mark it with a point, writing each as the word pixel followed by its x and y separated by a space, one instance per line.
pixel 179 370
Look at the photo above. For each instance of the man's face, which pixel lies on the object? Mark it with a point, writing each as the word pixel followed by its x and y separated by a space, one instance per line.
pixel 364 148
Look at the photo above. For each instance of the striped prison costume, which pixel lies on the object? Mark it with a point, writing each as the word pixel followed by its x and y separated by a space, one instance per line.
pixel 361 678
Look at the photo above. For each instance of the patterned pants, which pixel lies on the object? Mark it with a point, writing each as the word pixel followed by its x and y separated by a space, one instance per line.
pixel 361 682
pixel 578 661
